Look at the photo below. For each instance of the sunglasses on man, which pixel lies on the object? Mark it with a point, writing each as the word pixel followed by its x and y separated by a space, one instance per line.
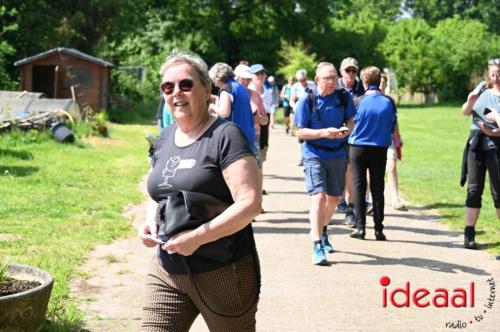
pixel 184 85
pixel 351 70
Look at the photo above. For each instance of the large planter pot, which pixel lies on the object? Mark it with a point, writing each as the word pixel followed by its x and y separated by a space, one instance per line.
pixel 25 311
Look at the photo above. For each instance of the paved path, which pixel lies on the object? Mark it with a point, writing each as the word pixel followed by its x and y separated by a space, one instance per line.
pixel 298 296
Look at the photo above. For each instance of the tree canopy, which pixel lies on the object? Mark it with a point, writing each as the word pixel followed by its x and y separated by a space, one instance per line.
pixel 432 45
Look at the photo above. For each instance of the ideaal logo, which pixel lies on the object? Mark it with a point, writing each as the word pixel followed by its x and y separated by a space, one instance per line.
pixel 439 298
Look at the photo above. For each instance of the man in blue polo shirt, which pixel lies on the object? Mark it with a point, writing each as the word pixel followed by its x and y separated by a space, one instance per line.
pixel 324 118
pixel 376 119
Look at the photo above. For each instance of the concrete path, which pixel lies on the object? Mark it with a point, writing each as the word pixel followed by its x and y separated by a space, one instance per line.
pixel 297 296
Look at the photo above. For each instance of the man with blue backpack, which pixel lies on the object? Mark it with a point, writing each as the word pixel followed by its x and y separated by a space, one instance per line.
pixel 324 119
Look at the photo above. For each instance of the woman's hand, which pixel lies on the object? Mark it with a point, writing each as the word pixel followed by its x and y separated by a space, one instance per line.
pixel 147 231
pixel 494 117
pixel 487 131
pixel 471 100
pixel 183 243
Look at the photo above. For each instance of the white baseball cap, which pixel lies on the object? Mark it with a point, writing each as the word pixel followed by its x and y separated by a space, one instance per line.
pixel 243 71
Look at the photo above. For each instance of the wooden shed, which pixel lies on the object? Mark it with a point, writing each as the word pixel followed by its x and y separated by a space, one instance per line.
pixel 67 73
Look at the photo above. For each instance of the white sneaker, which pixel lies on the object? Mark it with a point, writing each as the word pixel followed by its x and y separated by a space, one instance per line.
pixel 397 204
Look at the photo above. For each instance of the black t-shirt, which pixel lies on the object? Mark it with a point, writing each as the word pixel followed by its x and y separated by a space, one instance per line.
pixel 198 168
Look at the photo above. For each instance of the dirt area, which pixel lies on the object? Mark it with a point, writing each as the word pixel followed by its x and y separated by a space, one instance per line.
pixel 298 296
pixel 110 287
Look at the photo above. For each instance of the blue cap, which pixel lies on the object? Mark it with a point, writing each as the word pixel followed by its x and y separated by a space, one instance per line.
pixel 256 68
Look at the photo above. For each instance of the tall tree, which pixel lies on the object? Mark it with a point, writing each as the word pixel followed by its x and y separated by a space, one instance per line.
pixel 406 49
pixel 294 57
pixel 486 11
pixel 5 48
pixel 461 57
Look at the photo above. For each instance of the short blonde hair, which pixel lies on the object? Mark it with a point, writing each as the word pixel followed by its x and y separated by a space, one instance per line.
pixel 178 56
pixel 220 72
pixel 370 75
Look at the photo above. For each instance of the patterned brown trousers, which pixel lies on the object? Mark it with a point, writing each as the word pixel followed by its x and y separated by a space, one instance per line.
pixel 172 303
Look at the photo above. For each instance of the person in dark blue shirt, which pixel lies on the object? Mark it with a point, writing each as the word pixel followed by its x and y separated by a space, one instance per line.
pixel 373 127
pixel 324 120
pixel 233 103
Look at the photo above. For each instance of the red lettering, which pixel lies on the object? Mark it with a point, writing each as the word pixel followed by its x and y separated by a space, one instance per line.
pixel 406 292
pixel 472 295
pixel 401 297
pixel 384 298
pixel 459 293
pixel 417 297
pixel 443 296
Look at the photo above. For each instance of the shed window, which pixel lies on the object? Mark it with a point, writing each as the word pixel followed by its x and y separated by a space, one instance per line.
pixel 77 76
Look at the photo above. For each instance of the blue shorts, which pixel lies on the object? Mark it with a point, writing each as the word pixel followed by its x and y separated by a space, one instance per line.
pixel 325 175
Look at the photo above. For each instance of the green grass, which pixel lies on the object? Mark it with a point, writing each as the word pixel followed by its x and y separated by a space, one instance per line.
pixel 429 175
pixel 58 201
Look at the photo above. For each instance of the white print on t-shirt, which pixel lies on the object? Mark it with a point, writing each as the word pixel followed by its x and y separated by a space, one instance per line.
pixel 172 165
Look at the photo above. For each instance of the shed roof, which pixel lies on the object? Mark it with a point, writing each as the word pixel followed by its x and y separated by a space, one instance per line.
pixel 20 95
pixel 69 51
pixel 18 108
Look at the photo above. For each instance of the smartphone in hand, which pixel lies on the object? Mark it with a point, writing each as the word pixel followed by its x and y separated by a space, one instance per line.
pixel 157 240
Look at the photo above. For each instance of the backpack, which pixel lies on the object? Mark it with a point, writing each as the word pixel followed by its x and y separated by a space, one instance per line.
pixel 344 97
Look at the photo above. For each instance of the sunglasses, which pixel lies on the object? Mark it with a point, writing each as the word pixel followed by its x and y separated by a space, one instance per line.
pixel 184 85
pixel 351 70
pixel 494 62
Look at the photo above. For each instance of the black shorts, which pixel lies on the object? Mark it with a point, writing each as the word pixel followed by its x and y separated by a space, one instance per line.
pixel 288 111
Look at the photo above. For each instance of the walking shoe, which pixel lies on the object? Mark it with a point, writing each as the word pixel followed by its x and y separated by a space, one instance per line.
pixel 380 236
pixel 469 237
pixel 358 234
pixel 287 130
pixel 342 207
pixel 319 257
pixel 326 244
pixel 397 204
pixel 349 219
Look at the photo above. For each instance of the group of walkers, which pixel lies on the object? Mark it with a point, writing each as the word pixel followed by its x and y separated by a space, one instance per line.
pixel 339 111
pixel 206 178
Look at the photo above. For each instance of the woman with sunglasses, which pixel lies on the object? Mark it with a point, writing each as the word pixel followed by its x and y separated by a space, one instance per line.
pixel 482 151
pixel 201 153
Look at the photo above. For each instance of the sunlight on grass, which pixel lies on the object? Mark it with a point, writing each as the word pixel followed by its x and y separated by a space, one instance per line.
pixel 58 201
pixel 434 139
